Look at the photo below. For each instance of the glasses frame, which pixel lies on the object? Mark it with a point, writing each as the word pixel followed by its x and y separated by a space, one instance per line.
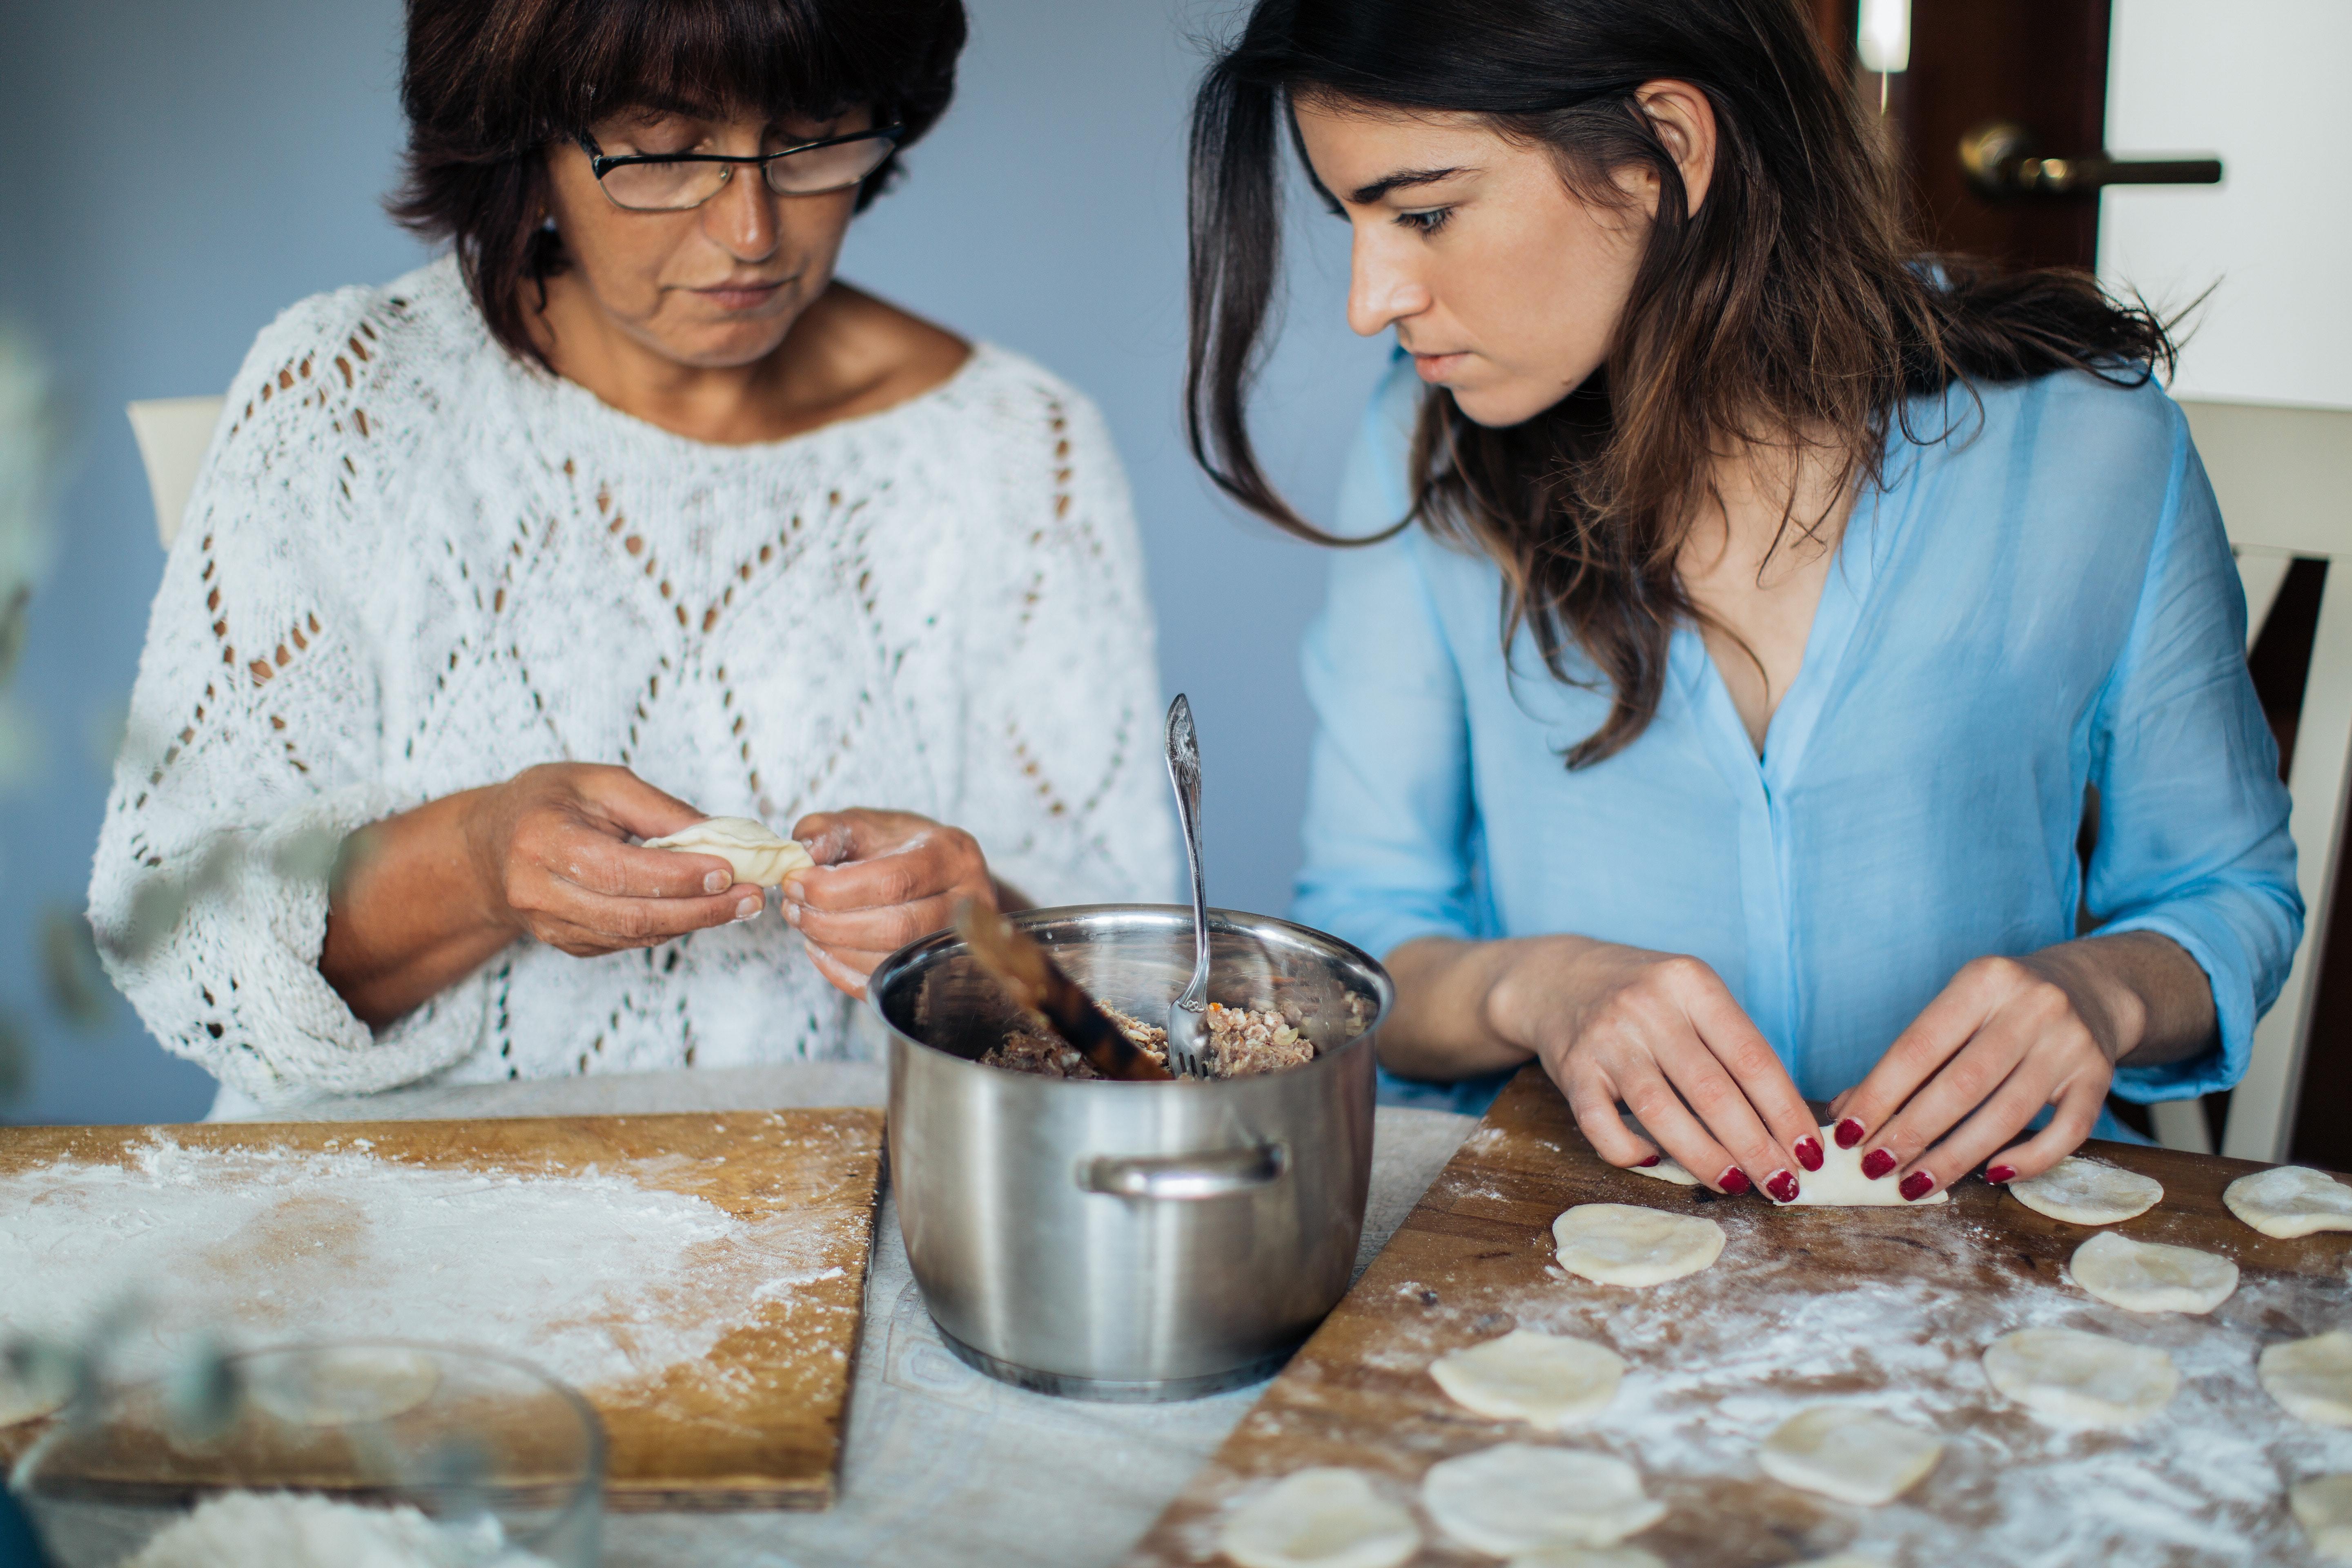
pixel 600 162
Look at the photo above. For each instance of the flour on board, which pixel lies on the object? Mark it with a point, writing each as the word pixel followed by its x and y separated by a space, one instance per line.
pixel 593 1277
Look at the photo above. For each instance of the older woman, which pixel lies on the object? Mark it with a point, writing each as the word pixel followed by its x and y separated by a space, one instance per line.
pixel 625 513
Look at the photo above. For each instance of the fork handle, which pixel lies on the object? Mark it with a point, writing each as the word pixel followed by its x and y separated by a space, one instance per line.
pixel 1185 772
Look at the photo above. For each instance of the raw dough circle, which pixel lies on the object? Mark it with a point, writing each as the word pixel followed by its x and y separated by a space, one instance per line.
pixel 1586 1557
pixel 1620 1244
pixel 2077 1379
pixel 2150 1277
pixel 2323 1506
pixel 1839 1184
pixel 1516 1497
pixel 338 1387
pixel 2289 1200
pixel 1549 1380
pixel 2312 1378
pixel 1847 1453
pixel 759 853
pixel 2088 1192
pixel 1320 1518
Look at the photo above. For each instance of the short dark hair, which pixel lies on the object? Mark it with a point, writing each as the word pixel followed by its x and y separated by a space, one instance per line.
pixel 489 84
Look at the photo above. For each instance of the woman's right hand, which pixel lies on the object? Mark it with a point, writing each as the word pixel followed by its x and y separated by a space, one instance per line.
pixel 1657 1031
pixel 551 853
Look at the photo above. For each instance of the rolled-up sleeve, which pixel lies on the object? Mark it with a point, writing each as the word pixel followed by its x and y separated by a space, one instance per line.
pixel 1391 829
pixel 2193 840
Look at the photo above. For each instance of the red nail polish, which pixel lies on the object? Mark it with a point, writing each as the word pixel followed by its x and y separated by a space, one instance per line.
pixel 2000 1174
pixel 1734 1181
pixel 1646 1164
pixel 1848 1132
pixel 1876 1163
pixel 1809 1154
pixel 1783 1186
pixel 1915 1186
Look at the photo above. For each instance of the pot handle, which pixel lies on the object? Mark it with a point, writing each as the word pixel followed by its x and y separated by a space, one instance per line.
pixel 1185 1177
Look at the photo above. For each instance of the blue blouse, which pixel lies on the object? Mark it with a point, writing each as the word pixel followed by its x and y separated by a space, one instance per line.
pixel 2045 602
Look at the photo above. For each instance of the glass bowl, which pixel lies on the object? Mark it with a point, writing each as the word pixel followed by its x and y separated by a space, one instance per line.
pixel 326 1454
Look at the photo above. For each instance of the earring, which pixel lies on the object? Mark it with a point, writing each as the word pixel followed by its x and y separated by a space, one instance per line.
pixel 547 223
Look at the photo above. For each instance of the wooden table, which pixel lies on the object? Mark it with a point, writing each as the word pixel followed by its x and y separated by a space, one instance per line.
pixel 1889 1308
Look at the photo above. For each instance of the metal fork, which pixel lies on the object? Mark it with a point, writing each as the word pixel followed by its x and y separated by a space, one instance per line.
pixel 1188 1015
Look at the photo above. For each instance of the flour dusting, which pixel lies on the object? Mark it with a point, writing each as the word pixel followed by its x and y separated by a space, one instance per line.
pixel 599 1279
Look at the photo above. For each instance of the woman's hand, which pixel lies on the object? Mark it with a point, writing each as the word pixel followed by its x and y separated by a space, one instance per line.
pixel 552 853
pixel 2010 1036
pixel 421 900
pixel 1658 1031
pixel 882 879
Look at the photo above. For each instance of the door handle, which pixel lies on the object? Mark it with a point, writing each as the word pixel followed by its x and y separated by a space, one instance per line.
pixel 1999 161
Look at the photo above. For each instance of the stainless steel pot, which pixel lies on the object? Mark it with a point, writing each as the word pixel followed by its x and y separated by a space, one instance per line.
pixel 1130 1241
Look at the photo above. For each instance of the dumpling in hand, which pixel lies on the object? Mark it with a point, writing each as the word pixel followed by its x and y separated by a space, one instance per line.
pixel 758 855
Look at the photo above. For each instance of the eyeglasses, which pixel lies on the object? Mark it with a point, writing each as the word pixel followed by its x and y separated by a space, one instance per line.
pixel 673 182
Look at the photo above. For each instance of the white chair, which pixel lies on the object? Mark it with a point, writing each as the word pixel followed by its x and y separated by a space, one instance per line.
pixel 2285 479
pixel 174 434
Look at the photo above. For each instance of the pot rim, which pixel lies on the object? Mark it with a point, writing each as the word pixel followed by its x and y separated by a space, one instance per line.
pixel 924 949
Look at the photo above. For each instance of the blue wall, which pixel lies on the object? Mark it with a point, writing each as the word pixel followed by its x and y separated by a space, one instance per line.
pixel 176 174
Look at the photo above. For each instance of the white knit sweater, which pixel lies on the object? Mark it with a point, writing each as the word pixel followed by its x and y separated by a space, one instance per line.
pixel 414 564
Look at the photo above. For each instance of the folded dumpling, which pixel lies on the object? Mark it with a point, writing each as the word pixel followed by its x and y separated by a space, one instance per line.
pixel 753 849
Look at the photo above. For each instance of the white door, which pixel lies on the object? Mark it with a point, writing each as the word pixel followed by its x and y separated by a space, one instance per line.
pixel 2260 85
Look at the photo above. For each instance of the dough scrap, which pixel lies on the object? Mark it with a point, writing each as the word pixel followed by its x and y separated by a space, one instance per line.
pixel 1844 1452
pixel 1320 1518
pixel 2288 1201
pixel 2312 1378
pixel 339 1386
pixel 2076 1379
pixel 1516 1497
pixel 2150 1277
pixel 1839 1184
pixel 1586 1557
pixel 2088 1192
pixel 759 856
pixel 1551 1380
pixel 1620 1244
pixel 2323 1506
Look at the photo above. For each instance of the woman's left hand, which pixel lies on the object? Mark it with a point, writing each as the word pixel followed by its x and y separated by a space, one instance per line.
pixel 882 879
pixel 2010 1036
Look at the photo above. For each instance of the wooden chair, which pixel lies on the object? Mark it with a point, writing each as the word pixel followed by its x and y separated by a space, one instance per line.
pixel 2285 479
pixel 174 434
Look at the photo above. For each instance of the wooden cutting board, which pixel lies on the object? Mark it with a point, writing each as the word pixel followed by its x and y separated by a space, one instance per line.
pixel 1886 1307
pixel 754 1424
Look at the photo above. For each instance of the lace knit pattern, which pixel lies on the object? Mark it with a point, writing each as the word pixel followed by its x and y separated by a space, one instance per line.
pixel 413 565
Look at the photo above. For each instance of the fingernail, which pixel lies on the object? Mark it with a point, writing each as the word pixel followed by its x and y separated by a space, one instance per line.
pixel 792 911
pixel 797 891
pixel 1734 1181
pixel 2000 1174
pixel 717 882
pixel 1809 1154
pixel 1915 1186
pixel 746 908
pixel 1783 1186
pixel 1849 1133
pixel 1646 1164
pixel 1876 1163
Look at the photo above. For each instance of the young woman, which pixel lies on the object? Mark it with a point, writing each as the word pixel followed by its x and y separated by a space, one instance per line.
pixel 1716 724
pixel 627 513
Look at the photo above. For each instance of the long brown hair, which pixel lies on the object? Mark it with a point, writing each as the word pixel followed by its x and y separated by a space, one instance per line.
pixel 1792 310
